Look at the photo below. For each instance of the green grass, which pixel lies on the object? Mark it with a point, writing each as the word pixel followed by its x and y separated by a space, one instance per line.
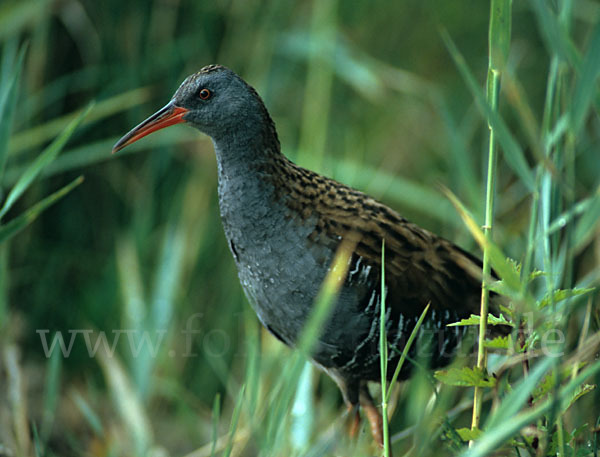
pixel 389 97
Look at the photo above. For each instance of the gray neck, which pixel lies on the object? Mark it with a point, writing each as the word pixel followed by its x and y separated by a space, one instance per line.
pixel 246 195
pixel 266 239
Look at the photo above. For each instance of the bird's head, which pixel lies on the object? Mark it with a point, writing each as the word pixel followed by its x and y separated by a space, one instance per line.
pixel 214 100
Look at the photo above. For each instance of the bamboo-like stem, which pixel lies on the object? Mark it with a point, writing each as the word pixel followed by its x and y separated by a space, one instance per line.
pixel 499 44
pixel 487 230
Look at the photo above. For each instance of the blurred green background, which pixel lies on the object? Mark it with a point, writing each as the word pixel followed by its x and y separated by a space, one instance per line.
pixel 365 92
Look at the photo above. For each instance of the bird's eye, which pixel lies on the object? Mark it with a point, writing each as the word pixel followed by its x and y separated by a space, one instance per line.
pixel 205 94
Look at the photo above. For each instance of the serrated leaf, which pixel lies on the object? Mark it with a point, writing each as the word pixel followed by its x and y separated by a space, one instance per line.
pixel 562 294
pixel 17 224
pixel 515 265
pixel 580 392
pixel 466 376
pixel 500 342
pixel 506 310
pixel 474 320
pixel 536 274
pixel 545 386
pixel 468 434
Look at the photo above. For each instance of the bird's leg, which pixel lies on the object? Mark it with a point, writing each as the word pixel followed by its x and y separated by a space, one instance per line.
pixel 372 414
pixel 353 413
pixel 350 391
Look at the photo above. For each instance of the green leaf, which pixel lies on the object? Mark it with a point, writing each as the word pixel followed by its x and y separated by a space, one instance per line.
pixel 475 319
pixel 544 387
pixel 562 294
pixel 500 342
pixel 580 392
pixel 469 434
pixel 13 227
pixel 536 274
pixel 47 156
pixel 234 422
pixel 466 376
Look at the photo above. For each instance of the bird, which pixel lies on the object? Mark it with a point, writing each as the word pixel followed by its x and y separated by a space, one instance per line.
pixel 284 224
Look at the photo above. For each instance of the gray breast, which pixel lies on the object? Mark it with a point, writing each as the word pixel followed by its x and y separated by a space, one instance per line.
pixel 279 270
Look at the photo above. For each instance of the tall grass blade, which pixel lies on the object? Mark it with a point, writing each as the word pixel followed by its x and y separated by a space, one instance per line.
pixel 556 37
pixel 512 150
pixel 47 156
pixel 234 422
pixel 168 275
pixel 131 284
pixel 326 297
pixel 587 84
pixel 587 225
pixel 99 151
pixel 498 260
pixel 407 346
pixel 383 356
pixel 9 90
pixel 15 16
pixel 127 402
pixel 17 224
pixel 88 413
pixel 514 401
pixel 303 411
pixel 51 394
pixel 216 415
pixel 35 136
pixel 319 80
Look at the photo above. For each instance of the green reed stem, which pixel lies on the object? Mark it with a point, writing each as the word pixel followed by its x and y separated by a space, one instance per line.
pixel 383 358
pixel 499 45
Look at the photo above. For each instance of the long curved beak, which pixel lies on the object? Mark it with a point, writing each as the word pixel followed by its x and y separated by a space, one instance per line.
pixel 171 114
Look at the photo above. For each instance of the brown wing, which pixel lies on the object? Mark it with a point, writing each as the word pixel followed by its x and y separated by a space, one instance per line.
pixel 421 267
